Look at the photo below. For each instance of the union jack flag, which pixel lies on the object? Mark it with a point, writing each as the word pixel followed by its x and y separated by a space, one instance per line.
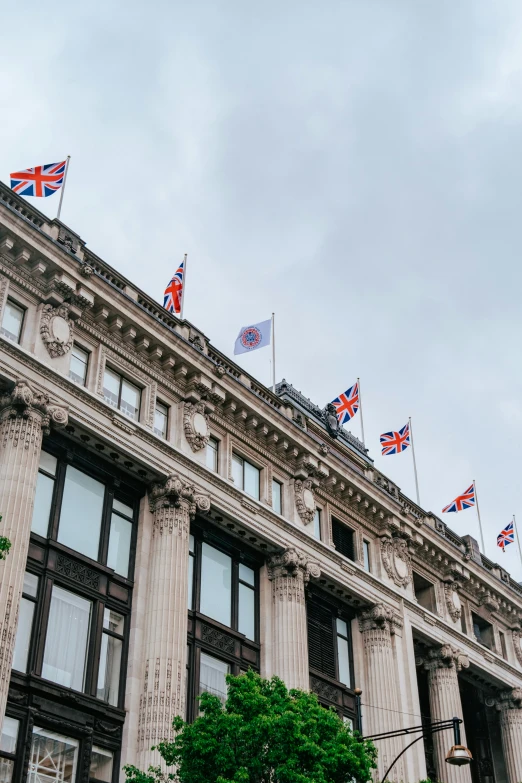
pixel 174 291
pixel 347 404
pixel 39 181
pixel 395 442
pixel 462 502
pixel 507 536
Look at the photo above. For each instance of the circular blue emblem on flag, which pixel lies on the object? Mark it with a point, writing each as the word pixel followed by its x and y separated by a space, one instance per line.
pixel 251 338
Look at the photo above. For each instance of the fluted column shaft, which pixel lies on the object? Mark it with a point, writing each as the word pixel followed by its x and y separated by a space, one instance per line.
pixel 443 665
pixel 289 574
pixel 24 415
pixel 377 625
pixel 510 707
pixel 166 616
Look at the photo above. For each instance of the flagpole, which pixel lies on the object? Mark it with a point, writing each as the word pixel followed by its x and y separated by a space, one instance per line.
pixel 63 186
pixel 360 410
pixel 518 539
pixel 184 286
pixel 478 515
pixel 414 463
pixel 273 354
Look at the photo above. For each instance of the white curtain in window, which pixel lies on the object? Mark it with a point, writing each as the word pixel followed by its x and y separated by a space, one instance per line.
pixel 212 673
pixel 66 642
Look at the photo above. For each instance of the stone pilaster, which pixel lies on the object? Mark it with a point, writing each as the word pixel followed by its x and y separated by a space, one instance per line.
pixel 289 573
pixel 381 711
pixel 510 707
pixel 25 415
pixel 173 505
pixel 443 665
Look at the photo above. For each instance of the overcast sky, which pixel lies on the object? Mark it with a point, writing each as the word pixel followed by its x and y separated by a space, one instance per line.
pixel 354 166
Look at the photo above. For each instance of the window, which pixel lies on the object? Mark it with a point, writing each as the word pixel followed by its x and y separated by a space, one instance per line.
pixel 321 645
pixel 161 419
pixel 483 631
pixel 120 538
pixel 110 657
pixel 191 570
pixel 8 742
pixel 343 538
pixel 366 555
pixel 25 622
pixel 65 655
pixel 212 454
pixel 44 493
pixel 12 321
pixel 53 758
pixel 81 512
pixel 277 503
pixel 424 592
pixel 463 626
pixel 246 622
pixel 246 476
pixel 216 584
pixel 79 364
pixel 121 394
pixel 212 673
pixel 503 648
pixel 343 654
pixel 102 761
pixel 317 523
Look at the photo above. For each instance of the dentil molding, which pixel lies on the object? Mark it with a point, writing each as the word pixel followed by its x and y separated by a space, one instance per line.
pixel 305 500
pixel 56 330
pixel 196 423
pixel 396 560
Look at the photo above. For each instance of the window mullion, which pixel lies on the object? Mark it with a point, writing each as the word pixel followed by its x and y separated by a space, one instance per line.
pixel 43 622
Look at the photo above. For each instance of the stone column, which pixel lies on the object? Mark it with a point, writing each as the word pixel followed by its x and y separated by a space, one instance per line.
pixel 173 505
pixel 443 665
pixel 510 707
pixel 380 698
pixel 289 573
pixel 25 415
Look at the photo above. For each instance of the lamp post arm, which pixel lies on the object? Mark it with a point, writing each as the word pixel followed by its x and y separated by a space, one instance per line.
pixel 422 736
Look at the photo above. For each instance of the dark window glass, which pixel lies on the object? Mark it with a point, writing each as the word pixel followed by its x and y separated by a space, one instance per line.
pixel 212 454
pixel 191 571
pixel 321 643
pixel 121 394
pixel 161 419
pixel 12 321
pixel 25 622
pixel 424 592
pixel 79 364
pixel 483 631
pixel 343 652
pixel 366 555
pixel 44 494
pixel 277 502
pixel 65 654
pixel 503 648
pixel 343 538
pixel 317 523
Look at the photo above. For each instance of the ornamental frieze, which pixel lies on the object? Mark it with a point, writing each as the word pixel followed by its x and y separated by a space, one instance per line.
pixel 396 560
pixel 56 330
pixel 196 424
pixel 305 500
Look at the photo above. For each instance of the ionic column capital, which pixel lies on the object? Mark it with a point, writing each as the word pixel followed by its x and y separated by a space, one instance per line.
pixel 446 657
pixel 176 492
pixel 379 617
pixel 24 402
pixel 510 699
pixel 292 564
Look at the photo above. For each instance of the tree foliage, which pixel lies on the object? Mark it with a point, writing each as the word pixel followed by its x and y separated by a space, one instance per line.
pixel 5 546
pixel 263 734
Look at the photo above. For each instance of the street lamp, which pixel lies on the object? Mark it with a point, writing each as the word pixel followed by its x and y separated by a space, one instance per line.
pixel 457 755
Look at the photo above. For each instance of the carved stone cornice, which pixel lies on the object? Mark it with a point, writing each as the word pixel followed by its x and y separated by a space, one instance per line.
pixel 453 603
pixel 396 560
pixel 24 402
pixel 379 617
pixel 292 564
pixel 446 657
pixel 196 425
pixel 305 500
pixel 176 491
pixel 56 330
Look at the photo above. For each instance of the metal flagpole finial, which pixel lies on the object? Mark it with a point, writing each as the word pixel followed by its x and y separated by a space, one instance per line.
pixel 67 161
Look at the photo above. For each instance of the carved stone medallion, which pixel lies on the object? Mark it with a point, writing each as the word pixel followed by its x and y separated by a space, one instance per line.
pixel 196 425
pixel 331 420
pixel 453 600
pixel 396 560
pixel 517 644
pixel 56 329
pixel 305 500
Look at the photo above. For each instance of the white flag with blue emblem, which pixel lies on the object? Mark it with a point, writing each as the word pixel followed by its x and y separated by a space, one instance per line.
pixel 252 337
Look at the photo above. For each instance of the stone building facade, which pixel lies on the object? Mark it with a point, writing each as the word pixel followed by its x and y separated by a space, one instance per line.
pixel 173 520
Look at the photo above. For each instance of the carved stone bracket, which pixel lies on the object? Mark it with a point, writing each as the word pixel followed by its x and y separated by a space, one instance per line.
pixel 196 424
pixel 517 643
pixel 447 657
pixel 292 563
pixel 23 402
pixel 396 560
pixel 453 603
pixel 56 329
pixel 305 500
pixel 379 616
pixel 175 491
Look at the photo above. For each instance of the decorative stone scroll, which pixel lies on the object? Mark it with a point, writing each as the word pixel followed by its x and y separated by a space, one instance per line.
pixel 56 330
pixel 305 500
pixel 448 657
pixel 517 643
pixel 396 560
pixel 196 424
pixel 292 564
pixel 453 603
pixel 379 616
pixel 176 493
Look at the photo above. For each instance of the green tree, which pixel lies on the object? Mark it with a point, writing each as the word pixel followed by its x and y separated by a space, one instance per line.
pixel 263 734
pixel 5 546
